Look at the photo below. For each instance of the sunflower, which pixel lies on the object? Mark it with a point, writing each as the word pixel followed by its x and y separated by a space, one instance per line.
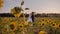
pixel 16 11
pixel 13 26
pixel 44 19
pixel 17 15
pixel 43 24
pixel 1 3
pixel 54 25
pixel 30 24
pixel 26 23
pixel 12 11
pixel 21 26
pixel 49 20
pixel 58 26
pixel 42 32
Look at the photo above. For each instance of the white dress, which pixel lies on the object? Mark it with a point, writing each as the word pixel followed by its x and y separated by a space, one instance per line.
pixel 29 19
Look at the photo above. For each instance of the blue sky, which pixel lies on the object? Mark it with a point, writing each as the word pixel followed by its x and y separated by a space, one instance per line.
pixel 39 6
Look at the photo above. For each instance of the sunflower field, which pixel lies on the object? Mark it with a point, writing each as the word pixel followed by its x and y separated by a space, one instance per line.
pixel 42 25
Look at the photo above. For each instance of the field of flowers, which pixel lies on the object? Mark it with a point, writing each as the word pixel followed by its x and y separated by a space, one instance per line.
pixel 42 25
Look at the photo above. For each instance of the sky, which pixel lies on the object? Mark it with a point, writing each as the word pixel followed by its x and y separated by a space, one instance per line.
pixel 38 6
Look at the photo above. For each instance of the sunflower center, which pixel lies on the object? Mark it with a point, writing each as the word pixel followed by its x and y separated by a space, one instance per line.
pixel 59 25
pixel 53 24
pixel 12 26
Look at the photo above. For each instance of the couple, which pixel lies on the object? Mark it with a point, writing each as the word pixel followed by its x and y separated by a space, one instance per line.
pixel 31 17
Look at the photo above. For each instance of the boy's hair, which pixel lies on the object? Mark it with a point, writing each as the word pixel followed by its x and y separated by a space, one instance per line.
pixel 32 12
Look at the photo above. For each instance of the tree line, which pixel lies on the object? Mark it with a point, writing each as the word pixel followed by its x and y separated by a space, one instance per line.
pixel 26 15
